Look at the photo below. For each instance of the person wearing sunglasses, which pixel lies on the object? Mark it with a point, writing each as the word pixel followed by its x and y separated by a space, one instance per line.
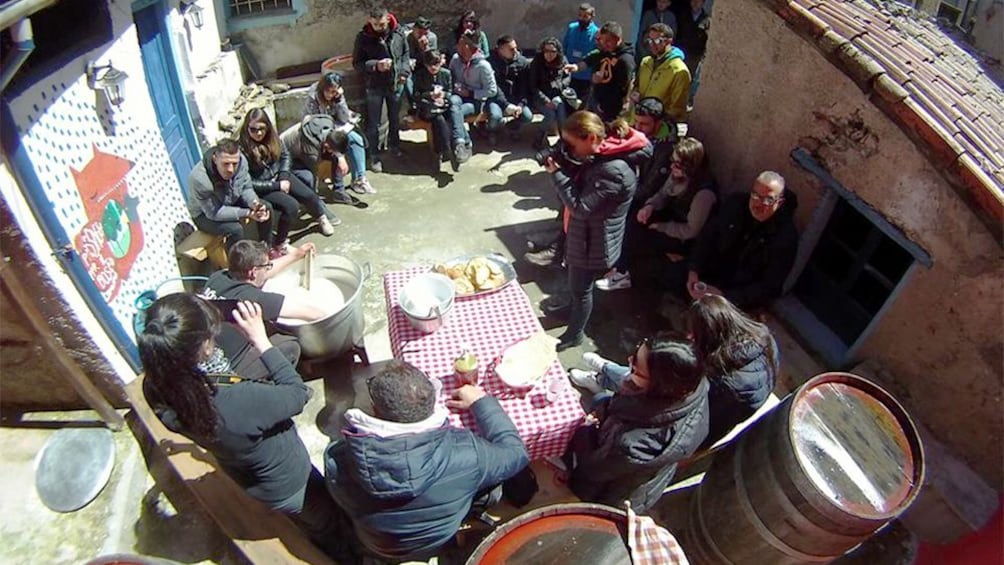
pixel 662 231
pixel 663 74
pixel 747 250
pixel 270 167
pixel 659 14
pixel 646 418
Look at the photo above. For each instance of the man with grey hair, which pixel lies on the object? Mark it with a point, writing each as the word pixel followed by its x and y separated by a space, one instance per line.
pixel 746 252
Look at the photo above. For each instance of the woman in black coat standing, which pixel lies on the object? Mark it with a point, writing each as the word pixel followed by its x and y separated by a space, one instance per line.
pixel 593 172
pixel 738 356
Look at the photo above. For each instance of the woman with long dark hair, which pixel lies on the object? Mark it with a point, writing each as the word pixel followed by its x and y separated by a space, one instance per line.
pixel 548 82
pixel 593 172
pixel 647 417
pixel 739 357
pixel 246 424
pixel 468 22
pixel 269 166
pixel 664 229
pixel 327 96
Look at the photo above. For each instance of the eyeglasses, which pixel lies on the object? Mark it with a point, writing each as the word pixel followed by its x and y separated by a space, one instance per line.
pixel 554 51
pixel 258 129
pixel 651 40
pixel 267 266
pixel 765 200
pixel 632 358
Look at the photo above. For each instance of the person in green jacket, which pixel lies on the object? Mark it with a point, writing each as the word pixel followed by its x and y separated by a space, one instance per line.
pixel 663 74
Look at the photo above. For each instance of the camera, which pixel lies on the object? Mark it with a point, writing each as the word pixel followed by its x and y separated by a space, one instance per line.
pixel 556 152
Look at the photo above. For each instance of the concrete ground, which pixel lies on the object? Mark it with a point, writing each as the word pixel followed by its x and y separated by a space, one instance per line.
pixel 495 203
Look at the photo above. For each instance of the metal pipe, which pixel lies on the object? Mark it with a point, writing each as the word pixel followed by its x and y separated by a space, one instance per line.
pixel 24 44
pixel 16 10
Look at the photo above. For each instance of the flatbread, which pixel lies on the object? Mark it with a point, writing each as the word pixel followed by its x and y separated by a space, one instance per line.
pixel 525 363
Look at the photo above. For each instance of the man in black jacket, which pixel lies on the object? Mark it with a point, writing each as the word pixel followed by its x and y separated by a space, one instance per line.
pixel 746 252
pixel 381 54
pixel 612 65
pixel 405 477
pixel 512 74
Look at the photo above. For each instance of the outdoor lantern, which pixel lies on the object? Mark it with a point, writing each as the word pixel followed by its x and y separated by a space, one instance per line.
pixel 108 79
pixel 192 8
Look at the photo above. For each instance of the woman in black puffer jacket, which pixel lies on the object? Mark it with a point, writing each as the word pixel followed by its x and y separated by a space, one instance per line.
pixel 269 166
pixel 738 356
pixel 594 174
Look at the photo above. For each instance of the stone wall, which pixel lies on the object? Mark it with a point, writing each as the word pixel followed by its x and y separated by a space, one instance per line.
pixel 329 28
pixel 765 91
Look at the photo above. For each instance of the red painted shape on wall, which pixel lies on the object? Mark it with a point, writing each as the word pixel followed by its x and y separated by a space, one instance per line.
pixel 113 236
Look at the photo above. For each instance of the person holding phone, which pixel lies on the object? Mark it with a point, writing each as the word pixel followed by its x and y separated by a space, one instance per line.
pixel 247 424
pixel 249 267
pixel 221 198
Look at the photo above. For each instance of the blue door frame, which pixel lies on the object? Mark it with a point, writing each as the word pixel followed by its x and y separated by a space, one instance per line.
pixel 60 244
pixel 164 85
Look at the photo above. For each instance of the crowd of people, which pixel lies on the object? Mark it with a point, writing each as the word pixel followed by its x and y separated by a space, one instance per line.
pixel 640 210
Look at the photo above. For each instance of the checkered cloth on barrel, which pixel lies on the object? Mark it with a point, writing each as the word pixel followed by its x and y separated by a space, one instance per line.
pixel 652 544
pixel 488 324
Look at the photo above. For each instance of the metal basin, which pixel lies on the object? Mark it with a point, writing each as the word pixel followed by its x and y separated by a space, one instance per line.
pixel 426 300
pixel 340 331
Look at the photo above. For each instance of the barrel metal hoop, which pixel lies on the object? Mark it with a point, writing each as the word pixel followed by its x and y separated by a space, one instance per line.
pixel 754 519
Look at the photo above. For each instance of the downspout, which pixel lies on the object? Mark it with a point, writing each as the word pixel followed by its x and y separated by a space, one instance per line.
pixel 24 44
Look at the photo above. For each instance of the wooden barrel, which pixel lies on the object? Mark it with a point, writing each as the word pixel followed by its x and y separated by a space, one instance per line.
pixel 561 533
pixel 830 465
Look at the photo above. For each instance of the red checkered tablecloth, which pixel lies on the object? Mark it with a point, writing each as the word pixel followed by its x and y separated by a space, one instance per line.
pixel 488 324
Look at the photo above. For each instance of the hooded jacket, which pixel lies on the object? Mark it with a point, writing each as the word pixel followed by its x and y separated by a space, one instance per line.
pixel 748 260
pixel 512 78
pixel 578 42
pixel 371 47
pixel 475 75
pixel 217 199
pixel 639 443
pixel 408 494
pixel 667 79
pixel 597 196
pixel 736 395
pixel 619 68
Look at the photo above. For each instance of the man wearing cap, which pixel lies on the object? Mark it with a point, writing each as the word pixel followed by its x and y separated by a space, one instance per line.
pixel 421 39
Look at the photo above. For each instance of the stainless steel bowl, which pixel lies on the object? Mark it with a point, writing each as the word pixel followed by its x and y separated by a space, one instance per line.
pixel 426 300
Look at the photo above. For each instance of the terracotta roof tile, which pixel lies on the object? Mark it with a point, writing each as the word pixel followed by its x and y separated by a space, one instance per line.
pixel 934 88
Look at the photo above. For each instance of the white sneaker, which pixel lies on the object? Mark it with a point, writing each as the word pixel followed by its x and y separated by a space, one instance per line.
pixel 584 379
pixel 325 224
pixel 614 281
pixel 594 361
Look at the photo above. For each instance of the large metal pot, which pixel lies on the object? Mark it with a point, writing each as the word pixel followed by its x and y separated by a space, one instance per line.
pixel 343 330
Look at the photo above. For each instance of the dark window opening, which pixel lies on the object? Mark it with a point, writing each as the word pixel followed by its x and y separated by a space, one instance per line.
pixel 62 32
pixel 851 273
pixel 259 7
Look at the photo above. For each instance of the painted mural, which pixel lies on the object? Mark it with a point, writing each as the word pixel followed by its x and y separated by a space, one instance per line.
pixel 111 240
pixel 107 176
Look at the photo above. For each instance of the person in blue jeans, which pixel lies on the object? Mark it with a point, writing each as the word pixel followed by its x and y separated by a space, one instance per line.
pixel 328 97
pixel 580 39
pixel 548 84
pixel 473 83
pixel 512 75
pixel 381 54
pixel 644 420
